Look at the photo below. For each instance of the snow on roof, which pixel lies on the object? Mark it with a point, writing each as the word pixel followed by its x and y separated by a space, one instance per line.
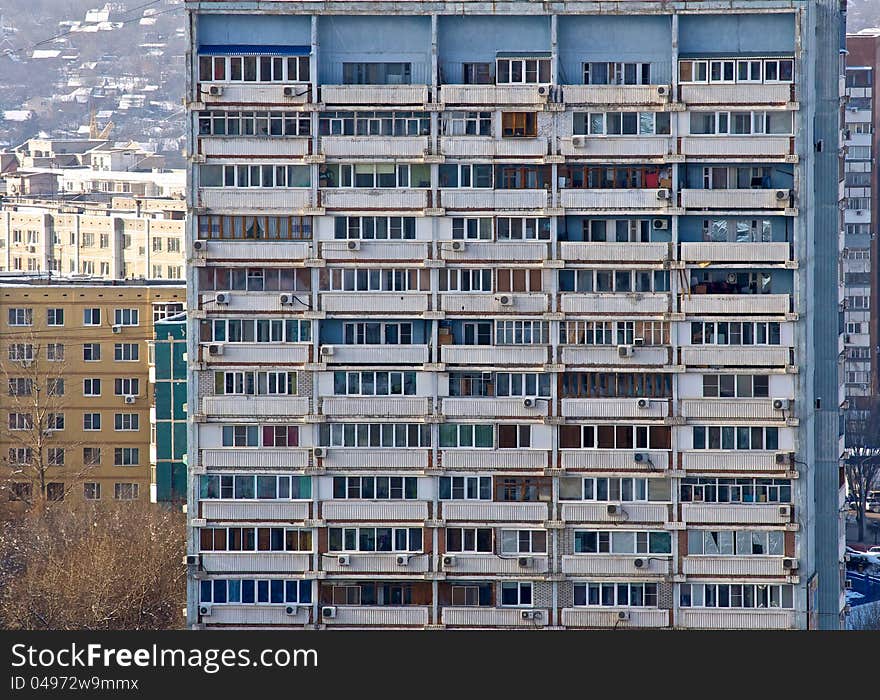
pixel 46 53
pixel 17 115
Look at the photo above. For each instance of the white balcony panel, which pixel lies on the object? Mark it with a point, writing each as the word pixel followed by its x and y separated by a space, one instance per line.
pixel 608 617
pixel 486 199
pixel 612 147
pixel 735 252
pixel 736 357
pixel 735 303
pixel 736 619
pixel 374 94
pixel 614 564
pixel 377 354
pixel 494 354
pixel 255 93
pixel 603 200
pixel 256 562
pixel 494 459
pixel 279 200
pixel 374 562
pixel 410 458
pixel 492 617
pixel 610 303
pixel 375 250
pixel 284 458
pixel 493 564
pixel 375 510
pixel 479 511
pixel 739 94
pixel 253 301
pixel 492 95
pixel 374 302
pixel 730 460
pixel 260 353
pixel 736 146
pixel 382 406
pixel 287 511
pixel 614 252
pixel 735 199
pixel 735 514
pixel 254 146
pixel 254 406
pixel 756 409
pixel 488 147
pixel 251 250
pixel 616 94
pixel 614 408
pixel 492 408
pixel 247 615
pixel 363 198
pixel 606 355
pixel 501 251
pixel 733 566
pixel 491 304
pixel 379 616
pixel 598 513
pixel 374 146
pixel 613 460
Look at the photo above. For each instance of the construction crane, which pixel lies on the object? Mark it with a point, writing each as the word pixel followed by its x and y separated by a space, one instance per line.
pixel 93 128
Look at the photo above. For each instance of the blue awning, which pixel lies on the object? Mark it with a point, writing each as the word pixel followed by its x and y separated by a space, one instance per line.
pixel 253 50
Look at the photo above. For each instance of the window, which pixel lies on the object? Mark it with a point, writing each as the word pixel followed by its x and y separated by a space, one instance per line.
pixel 737 230
pixel 91 421
pixel 54 317
pixel 730 437
pixel 736 542
pixel 466 435
pixel 91 317
pixel 519 280
pixel 254 539
pixel 374 333
pixel 472 228
pixel 125 491
pixel 55 456
pixel 624 489
pixel 378 228
pixel 374 539
pixel 466 175
pixel 55 386
pixel 467 123
pixel 265 175
pixel 375 280
pixel 21 421
pixel 249 591
pixel 374 435
pixel 254 227
pixel 520 333
pixel 735 595
pixel 55 352
pixel 241 436
pixel 91 352
pixel 736 386
pixel 615 385
pixel 735 333
pixel 620 437
pixel 376 73
pixel 523 489
pixel 376 175
pixel 126 386
pixel 21 386
pixel 126 421
pixel 20 455
pixel 479 594
pixel 516 593
pixel 280 436
pixel 465 488
pixel 605 281
pixel 157 245
pixel 528 71
pixel 254 68
pixel 55 491
pixel 514 436
pixel 125 352
pixel 616 73
pixel 523 542
pixel 622 542
pixel 375 487
pixel 469 539
pixel 397 123
pixel 233 123
pixel 466 280
pixel 251 486
pixel 621 123
pixel 613 332
pixel 741 123
pixel 126 456
pixel 748 490
pixel 252 330
pixel 21 317
pixel 21 352
pixel 256 279
pixel 125 317
pixel 54 421
pixel 91 456
pixel 519 124
pixel 92 491
pixel 624 595
pixel 477 73
pixel 254 383
pixel 742 70
pixel 374 383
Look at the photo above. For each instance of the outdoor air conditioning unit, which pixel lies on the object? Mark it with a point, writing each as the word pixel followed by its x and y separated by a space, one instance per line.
pixel 848 584
pixel 640 563
pixel 784 511
pixel 193 559
pixel 625 350
pixel 781 404
pixel 130 399
pixel 319 452
pixel 638 341
pixel 198 245
pixel 353 245
pixel 204 610
pixel 286 299
pixel 291 609
pixel 782 458
pixel 613 509
pixel 504 300
pixel 289 91
pixel 543 90
pixel 579 141
pixel 525 562
pixel 623 616
pixel 531 614
pixel 222 298
pixel 529 402
pixel 344 560
pixel 117 329
pixel 215 349
pixel 457 246
pixel 643 403
pixel 663 90
pixel 846 338
pixel 215 90
pixel 448 561
pixel 327 350
pixel 641 458
pixel 663 194
pixel 660 224
pixel 403 559
pixel 328 611
pixel 790 564
pixel 781 194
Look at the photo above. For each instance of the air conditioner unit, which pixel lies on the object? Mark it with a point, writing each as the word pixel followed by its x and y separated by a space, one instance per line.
pixel 215 90
pixel 613 509
pixel 289 91
pixel 222 298
pixel 215 349
pixel 663 90
pixel 640 563
pixel 457 246
pixel 286 299
pixel 625 350
pixel 543 90
pixel 847 584
pixel 130 399
pixel 846 339
pixel 327 350
pixel 784 511
pixel 781 194
pixel 504 300
pixel 344 560
pixel 663 194
pixel 403 559
pixel 319 452
pixel 524 562
pixel 117 329
pixel 623 616
pixel 531 614
pixel 638 342
pixel 529 402
pixel 731 278
pixel 353 245
pixel 328 611
pixel 643 403
pixel 790 564
pixel 193 559
pixel 782 458
pixel 198 245
pixel 291 609
pixel 205 610
pixel 579 141
pixel 641 458
pixel 781 404
pixel 660 224
pixel 448 561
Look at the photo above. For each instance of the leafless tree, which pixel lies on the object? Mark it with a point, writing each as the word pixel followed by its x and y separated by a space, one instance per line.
pixel 862 463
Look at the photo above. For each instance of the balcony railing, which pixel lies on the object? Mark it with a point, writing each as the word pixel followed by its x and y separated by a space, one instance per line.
pixel 287 457
pixel 486 199
pixel 255 406
pixel 504 251
pixel 737 619
pixel 493 512
pixel 632 513
pixel 749 409
pixel 466 563
pixel 735 199
pixel 287 511
pixel 615 408
pixel 370 199
pixel 605 355
pixel 254 146
pixel 413 511
pixel 494 459
pixel 494 617
pixel 614 252
pixel 378 616
pixel 610 617
pixel 258 353
pixel 377 354
pixel 373 563
pixel 615 565
pixel 611 303
pixel 735 303
pixel 737 146
pixel 255 562
pixel 494 303
pixel 624 95
pixel 615 460
pixel 494 354
pixel 491 95
pixel 265 200
pixel 374 250
pixel 734 566
pixel 733 460
pixel 735 252
pixel 375 146
pixel 488 147
pixel 248 615
pixel 375 302
pixel 374 94
pixel 598 200
pixel 739 94
pixel 255 93
pixel 736 513
pixel 253 250
pixel 410 458
pixel 255 301
pixel 382 406
pixel 707 356
pixel 611 147
pixel 501 407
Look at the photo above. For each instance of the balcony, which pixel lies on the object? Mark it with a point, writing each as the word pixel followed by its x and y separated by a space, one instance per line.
pixel 599 200
pixel 467 564
pixel 715 461
pixel 352 251
pixel 255 562
pixel 736 252
pixel 261 94
pixel 614 252
pixel 615 408
pixel 374 563
pixel 736 513
pixel 488 147
pixel 283 457
pixel 249 615
pixel 608 617
pixel 734 566
pixel 488 200
pixel 378 616
pixel 623 95
pixel 735 304
pixel 494 354
pixel 378 459
pixel 255 407
pixel 477 303
pixel 493 408
pixel 493 95
pixel 253 250
pixel 413 147
pixel 739 94
pixel 484 511
pixel 735 199
pixel 747 409
pixel 708 619
pixel 494 459
pixel 375 302
pixel 615 565
pixel 380 511
pixel 494 617
pixel 737 146
pixel 381 406
pixel 598 513
pixel 284 511
pixel 610 303
pixel 254 146
pixel 374 94
pixel 607 355
pixel 254 301
pixel 740 356
pixel 377 354
pixel 614 460
pixel 605 147
pixel 502 251
pixel 374 199
pixel 257 353
pixel 263 200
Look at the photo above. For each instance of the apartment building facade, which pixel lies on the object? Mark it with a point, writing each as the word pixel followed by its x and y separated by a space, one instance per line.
pixel 76 412
pixel 513 315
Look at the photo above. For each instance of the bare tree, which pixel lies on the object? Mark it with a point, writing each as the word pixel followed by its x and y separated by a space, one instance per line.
pixel 862 463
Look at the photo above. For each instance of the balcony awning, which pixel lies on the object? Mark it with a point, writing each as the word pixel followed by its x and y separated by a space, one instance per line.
pixel 741 56
pixel 522 54
pixel 253 50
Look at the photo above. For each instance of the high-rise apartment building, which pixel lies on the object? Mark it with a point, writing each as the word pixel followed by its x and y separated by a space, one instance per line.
pixel 515 315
